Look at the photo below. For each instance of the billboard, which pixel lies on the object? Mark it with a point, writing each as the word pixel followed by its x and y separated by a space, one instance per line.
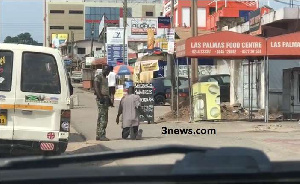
pixel 137 29
pixel 139 26
pixel 58 39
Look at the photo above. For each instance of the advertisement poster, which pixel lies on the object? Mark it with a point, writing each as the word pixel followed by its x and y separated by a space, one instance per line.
pixel 150 65
pixel 115 54
pixel 139 26
pixel 58 40
pixel 119 92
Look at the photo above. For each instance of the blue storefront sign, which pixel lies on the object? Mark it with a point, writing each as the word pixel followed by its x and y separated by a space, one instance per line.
pixel 115 54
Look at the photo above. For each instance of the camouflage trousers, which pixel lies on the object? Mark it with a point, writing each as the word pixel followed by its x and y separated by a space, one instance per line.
pixel 102 119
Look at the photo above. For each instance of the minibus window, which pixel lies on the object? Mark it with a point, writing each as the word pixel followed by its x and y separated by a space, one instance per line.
pixel 40 74
pixel 6 65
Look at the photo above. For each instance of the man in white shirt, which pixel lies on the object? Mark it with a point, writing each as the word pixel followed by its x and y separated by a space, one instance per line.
pixel 112 80
pixel 55 42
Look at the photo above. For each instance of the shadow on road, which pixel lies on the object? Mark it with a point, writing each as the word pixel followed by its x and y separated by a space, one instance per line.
pixel 76 137
pixel 92 149
pixel 143 138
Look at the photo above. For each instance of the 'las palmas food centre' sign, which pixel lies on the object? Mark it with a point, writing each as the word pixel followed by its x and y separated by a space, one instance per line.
pixel 224 48
pixel 222 44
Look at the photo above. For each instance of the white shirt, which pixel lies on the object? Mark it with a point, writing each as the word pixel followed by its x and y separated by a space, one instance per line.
pixel 112 79
pixel 55 43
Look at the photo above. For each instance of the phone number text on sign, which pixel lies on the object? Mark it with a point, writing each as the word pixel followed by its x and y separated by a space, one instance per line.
pixel 204 51
pixel 228 51
pixel 251 51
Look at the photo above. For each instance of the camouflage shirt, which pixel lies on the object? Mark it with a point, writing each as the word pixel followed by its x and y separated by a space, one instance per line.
pixel 103 84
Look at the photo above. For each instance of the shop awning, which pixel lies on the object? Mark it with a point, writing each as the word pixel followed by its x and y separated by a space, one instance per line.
pixel 284 46
pixel 223 44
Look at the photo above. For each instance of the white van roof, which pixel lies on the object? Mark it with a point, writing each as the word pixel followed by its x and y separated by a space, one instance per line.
pixel 24 47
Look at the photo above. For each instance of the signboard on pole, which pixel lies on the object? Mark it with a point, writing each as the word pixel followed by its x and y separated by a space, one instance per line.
pixel 115 35
pixel 115 54
pixel 164 22
pixel 89 60
pixel 164 37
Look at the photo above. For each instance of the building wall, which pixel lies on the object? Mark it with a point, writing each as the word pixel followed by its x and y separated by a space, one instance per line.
pixel 61 22
pixel 136 9
pixel 87 46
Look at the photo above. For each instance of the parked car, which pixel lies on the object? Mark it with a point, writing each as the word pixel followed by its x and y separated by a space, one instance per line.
pixel 162 89
pixel 224 83
pixel 76 76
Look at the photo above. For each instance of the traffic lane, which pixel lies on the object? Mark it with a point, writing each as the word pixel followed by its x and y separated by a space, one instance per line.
pixel 84 116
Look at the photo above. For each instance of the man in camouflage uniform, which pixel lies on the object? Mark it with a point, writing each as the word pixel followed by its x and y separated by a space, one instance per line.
pixel 103 102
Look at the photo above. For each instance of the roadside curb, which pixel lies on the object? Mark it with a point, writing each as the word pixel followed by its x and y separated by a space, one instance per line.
pixel 78 134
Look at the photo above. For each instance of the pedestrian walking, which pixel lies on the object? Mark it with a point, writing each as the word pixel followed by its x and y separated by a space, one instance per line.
pixel 103 102
pixel 130 108
pixel 112 81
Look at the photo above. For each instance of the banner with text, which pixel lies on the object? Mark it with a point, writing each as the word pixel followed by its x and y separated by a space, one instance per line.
pixel 145 91
pixel 150 65
pixel 115 54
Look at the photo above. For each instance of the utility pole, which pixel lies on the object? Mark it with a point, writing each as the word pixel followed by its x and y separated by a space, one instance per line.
pixel 124 25
pixel 104 39
pixel 72 48
pixel 194 61
pixel 92 43
pixel 171 66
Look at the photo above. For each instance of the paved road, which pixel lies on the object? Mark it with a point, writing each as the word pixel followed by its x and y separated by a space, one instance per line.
pixel 280 141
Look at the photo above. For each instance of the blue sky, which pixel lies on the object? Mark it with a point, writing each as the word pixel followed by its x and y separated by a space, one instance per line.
pixel 18 16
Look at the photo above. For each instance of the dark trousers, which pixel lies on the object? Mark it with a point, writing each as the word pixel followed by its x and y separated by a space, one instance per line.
pixel 132 131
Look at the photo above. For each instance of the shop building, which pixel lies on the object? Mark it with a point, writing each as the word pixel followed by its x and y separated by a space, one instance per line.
pixel 211 14
pixel 274 23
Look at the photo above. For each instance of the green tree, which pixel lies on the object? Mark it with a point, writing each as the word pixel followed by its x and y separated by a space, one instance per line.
pixel 23 38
